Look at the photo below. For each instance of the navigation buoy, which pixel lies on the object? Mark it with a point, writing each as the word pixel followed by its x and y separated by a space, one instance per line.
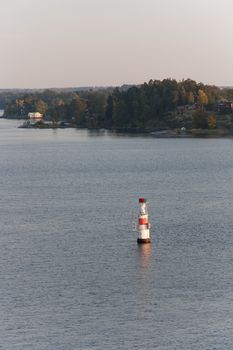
pixel 143 223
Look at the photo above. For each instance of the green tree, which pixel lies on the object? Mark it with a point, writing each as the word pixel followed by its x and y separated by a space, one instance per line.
pixel 97 102
pixel 41 106
pixel 76 111
pixel 200 119
pixel 190 97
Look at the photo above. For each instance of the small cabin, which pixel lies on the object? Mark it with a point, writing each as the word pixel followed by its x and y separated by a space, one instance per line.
pixel 35 116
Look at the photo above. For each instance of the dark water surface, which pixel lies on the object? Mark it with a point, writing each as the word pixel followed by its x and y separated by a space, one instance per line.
pixel 71 273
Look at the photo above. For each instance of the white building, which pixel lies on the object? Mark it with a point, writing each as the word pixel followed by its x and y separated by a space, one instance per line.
pixel 35 116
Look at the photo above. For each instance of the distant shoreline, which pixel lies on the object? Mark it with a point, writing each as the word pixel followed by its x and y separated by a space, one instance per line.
pixel 170 133
pixel 156 133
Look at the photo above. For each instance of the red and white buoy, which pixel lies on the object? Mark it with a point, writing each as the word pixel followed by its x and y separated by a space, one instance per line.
pixel 143 223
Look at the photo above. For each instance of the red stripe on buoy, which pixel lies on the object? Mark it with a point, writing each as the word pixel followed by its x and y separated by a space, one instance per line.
pixel 143 221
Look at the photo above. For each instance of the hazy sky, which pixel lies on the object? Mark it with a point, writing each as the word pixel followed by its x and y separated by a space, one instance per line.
pixel 64 43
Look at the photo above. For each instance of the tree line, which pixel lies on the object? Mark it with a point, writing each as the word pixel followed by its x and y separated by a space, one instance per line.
pixel 155 104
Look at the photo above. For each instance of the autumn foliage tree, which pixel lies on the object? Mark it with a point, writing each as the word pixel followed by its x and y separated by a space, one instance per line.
pixel 212 121
pixel 202 97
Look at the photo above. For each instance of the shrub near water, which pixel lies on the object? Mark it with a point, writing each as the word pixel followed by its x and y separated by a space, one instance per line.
pixel 200 119
pixel 212 122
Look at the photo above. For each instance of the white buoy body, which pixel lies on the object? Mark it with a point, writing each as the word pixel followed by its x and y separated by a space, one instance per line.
pixel 143 223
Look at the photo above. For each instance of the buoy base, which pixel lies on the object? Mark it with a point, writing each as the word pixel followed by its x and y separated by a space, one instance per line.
pixel 143 240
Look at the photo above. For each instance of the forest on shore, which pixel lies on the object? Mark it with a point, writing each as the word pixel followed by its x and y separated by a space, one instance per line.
pixel 150 106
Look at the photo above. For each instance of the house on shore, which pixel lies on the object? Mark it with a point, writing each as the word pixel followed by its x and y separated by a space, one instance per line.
pixel 224 106
pixel 32 120
pixel 35 117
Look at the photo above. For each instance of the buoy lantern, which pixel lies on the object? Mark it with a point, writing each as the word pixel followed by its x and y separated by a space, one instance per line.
pixel 143 223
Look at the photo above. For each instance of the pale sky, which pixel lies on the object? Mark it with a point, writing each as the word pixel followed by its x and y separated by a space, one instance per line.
pixel 68 43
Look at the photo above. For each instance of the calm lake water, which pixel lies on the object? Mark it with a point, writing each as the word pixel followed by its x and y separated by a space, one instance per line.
pixel 71 274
